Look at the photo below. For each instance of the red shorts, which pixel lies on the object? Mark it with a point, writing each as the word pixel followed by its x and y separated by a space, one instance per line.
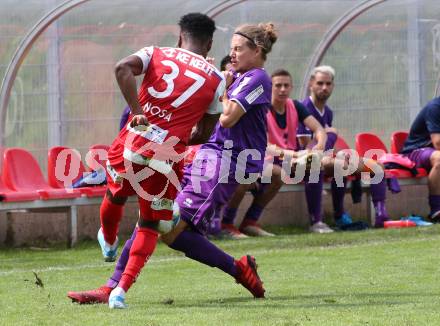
pixel 156 192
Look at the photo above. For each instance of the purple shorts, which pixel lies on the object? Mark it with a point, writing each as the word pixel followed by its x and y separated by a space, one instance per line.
pixel 206 185
pixel 422 157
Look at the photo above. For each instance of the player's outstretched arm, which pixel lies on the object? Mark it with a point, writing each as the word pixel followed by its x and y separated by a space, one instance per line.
pixel 125 72
pixel 318 132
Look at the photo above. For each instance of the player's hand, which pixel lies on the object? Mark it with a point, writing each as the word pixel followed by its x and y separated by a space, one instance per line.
pixel 290 153
pixel 229 76
pixel 302 153
pixel 139 120
pixel 319 154
pixel 210 60
pixel 318 147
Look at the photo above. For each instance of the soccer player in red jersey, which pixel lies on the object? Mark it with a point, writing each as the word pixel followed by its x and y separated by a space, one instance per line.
pixel 180 89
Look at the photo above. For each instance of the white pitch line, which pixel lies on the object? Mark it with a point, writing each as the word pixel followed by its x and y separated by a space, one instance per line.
pixel 85 266
pixel 154 262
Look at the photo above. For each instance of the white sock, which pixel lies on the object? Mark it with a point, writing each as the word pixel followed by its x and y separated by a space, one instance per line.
pixel 118 291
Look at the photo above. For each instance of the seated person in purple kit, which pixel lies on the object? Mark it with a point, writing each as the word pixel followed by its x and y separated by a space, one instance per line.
pixel 245 105
pixel 321 86
pixel 423 147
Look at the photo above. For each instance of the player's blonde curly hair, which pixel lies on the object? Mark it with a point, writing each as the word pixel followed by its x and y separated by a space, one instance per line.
pixel 262 35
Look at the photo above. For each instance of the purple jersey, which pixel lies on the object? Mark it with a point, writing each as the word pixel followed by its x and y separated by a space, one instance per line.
pixel 252 91
pixel 325 118
pixel 426 123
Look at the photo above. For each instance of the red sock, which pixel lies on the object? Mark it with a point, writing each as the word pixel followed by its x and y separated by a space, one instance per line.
pixel 111 215
pixel 142 248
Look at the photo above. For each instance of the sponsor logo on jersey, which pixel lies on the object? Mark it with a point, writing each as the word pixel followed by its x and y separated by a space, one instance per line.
pixel 151 132
pixel 159 204
pixel 157 111
pixel 188 202
pixel 252 96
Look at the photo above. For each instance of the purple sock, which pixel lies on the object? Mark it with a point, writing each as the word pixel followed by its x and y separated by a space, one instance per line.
pixel 381 211
pixel 393 185
pixel 254 212
pixel 197 247
pixel 229 215
pixel 122 262
pixel 338 194
pixel 378 196
pixel 314 199
pixel 331 140
pixel 378 191
pixel 434 203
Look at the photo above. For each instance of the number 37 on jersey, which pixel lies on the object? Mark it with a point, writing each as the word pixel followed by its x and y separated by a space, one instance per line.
pixel 184 73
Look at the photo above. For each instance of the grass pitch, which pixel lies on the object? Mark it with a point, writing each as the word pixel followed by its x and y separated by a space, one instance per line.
pixel 377 277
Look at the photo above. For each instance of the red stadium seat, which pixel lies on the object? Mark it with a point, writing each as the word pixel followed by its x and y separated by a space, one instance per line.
pixel 340 144
pixel 97 157
pixel 69 160
pixel 98 153
pixel 367 141
pixel 397 140
pixel 21 172
pixel 8 195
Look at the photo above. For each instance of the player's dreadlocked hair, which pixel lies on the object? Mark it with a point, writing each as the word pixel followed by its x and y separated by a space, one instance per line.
pixel 197 26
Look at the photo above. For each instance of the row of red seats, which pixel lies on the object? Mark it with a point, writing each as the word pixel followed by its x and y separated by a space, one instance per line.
pixel 367 141
pixel 23 180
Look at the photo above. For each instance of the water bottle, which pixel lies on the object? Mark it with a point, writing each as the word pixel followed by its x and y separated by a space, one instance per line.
pixel 398 224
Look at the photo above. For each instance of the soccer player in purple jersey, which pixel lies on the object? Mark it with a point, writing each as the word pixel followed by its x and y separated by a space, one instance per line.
pixel 244 109
pixel 423 147
pixel 321 87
